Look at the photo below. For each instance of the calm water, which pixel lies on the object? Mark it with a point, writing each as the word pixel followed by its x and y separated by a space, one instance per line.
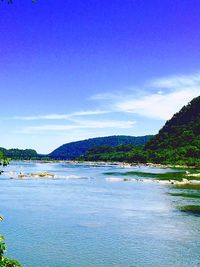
pixel 93 222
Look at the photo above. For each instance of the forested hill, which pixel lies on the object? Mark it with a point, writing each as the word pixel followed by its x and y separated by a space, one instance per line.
pixel 177 143
pixel 74 150
pixel 17 154
pixel 179 140
pixel 182 130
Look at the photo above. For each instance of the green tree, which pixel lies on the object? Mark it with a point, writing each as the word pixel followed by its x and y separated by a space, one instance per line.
pixel 4 261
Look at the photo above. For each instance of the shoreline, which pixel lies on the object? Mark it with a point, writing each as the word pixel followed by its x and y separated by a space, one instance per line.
pixel 150 180
pixel 50 176
pixel 186 177
pixel 113 163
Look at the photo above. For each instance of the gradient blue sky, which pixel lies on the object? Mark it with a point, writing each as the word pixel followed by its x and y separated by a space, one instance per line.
pixel 71 70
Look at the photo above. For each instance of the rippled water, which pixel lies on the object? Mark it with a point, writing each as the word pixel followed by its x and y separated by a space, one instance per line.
pixel 93 222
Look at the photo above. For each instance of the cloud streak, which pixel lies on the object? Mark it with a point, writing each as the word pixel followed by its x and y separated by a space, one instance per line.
pixel 87 124
pixel 160 98
pixel 61 116
pixel 178 81
pixel 158 106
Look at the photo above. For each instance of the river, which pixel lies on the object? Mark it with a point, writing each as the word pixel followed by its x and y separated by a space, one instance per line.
pixel 81 219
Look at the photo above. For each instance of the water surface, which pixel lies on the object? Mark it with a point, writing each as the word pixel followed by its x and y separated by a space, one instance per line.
pixel 93 222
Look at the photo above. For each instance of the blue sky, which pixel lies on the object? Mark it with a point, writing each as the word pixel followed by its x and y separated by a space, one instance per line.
pixel 71 70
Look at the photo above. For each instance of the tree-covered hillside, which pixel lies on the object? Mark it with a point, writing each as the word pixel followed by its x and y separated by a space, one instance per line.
pixel 121 153
pixel 179 140
pixel 74 150
pixel 183 129
pixel 17 154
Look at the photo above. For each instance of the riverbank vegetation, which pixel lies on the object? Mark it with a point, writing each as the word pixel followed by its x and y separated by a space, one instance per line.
pixel 177 143
pixel 19 154
pixel 193 209
pixel 4 261
pixel 175 175
pixel 188 155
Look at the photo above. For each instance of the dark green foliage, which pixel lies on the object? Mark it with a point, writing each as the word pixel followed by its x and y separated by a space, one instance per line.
pixel 182 130
pixel 178 176
pixel 5 262
pixel 188 186
pixel 126 153
pixel 179 140
pixel 74 150
pixel 3 161
pixel 193 209
pixel 17 154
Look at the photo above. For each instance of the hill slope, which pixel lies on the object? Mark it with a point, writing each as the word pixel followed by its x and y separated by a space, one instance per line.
pixel 179 139
pixel 19 154
pixel 74 150
pixel 178 142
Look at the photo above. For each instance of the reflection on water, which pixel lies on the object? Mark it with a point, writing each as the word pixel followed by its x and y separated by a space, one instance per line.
pixel 94 222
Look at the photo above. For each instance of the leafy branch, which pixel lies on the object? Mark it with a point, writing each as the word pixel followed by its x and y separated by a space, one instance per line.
pixel 4 261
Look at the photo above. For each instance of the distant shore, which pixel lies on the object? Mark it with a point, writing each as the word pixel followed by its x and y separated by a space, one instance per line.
pixel 183 175
pixel 114 163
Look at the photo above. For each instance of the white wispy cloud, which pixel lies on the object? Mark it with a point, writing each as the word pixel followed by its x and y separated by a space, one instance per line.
pixel 158 106
pixel 61 116
pixel 177 81
pixel 160 98
pixel 83 124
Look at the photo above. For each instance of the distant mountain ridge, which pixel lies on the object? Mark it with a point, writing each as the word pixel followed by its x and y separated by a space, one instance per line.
pixel 73 150
pixel 177 143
